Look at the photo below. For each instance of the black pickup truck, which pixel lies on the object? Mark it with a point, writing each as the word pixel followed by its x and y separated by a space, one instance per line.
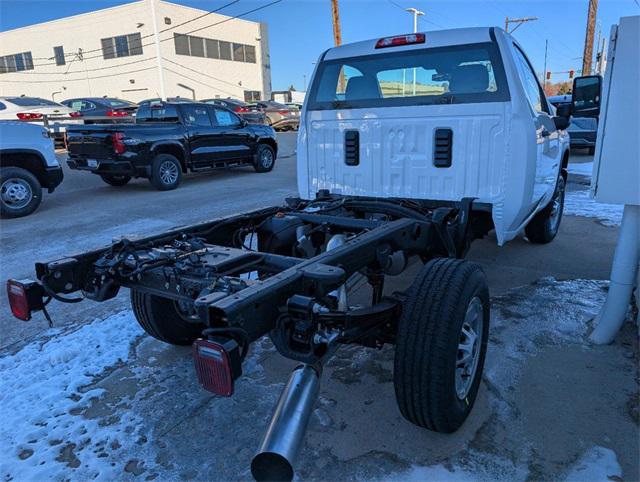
pixel 169 139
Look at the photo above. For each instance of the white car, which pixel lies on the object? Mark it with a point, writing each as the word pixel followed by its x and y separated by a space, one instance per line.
pixel 439 116
pixel 27 165
pixel 34 110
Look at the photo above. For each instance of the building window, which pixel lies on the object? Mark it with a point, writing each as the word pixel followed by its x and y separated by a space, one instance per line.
pixel 16 62
pixel 250 54
pixel 213 49
pixel 251 95
pixel 181 43
pixel 121 46
pixel 238 52
pixel 225 50
pixel 196 46
pixel 58 53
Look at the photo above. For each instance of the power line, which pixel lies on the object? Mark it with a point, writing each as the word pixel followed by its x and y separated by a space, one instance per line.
pixel 86 70
pixel 76 80
pixel 198 72
pixel 71 54
pixel 200 82
pixel 395 4
pixel 228 19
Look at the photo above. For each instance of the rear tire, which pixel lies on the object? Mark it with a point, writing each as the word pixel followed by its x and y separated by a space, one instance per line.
pixel 441 344
pixel 20 192
pixel 114 180
pixel 162 319
pixel 166 172
pixel 265 158
pixel 545 225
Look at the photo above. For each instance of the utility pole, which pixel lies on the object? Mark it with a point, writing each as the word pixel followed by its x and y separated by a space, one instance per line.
pixel 337 34
pixel 588 38
pixel 156 37
pixel 416 13
pixel 519 21
pixel 337 39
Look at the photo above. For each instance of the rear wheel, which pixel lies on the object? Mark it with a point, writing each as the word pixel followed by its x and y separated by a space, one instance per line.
pixel 164 319
pixel 20 192
pixel 114 180
pixel 265 158
pixel 545 225
pixel 441 344
pixel 166 172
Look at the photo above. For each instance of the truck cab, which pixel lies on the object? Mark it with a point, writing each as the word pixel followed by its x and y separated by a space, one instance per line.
pixel 437 116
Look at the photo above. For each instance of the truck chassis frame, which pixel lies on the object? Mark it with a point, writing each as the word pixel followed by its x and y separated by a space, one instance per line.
pixel 290 281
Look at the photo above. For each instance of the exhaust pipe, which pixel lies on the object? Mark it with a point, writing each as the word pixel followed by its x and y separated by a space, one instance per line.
pixel 283 440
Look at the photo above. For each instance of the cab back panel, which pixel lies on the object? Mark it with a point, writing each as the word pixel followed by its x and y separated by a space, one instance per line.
pixel 396 152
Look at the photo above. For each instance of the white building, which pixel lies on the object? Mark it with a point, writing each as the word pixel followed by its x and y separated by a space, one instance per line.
pixel 112 52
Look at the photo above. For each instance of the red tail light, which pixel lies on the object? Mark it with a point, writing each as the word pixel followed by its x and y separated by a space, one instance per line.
pixel 241 109
pixel 117 113
pixel 217 365
pixel 24 296
pixel 75 114
pixel 414 38
pixel 283 112
pixel 117 140
pixel 26 116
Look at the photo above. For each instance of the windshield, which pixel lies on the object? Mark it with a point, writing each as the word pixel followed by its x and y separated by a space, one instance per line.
pixel 32 101
pixel 447 75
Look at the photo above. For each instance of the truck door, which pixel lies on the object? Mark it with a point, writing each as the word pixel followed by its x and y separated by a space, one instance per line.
pixel 232 135
pixel 549 153
pixel 202 134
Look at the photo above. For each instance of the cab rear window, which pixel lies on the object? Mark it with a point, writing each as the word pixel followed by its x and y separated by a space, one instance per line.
pixel 443 75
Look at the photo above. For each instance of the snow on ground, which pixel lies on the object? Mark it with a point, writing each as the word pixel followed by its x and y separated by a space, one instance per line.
pixel 42 387
pixel 597 464
pixel 49 388
pixel 578 203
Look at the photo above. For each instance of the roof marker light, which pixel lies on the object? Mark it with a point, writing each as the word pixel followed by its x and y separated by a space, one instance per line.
pixel 410 39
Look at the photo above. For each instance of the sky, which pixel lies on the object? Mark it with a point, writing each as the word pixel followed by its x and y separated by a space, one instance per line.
pixel 300 30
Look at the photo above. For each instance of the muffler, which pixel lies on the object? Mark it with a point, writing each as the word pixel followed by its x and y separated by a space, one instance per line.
pixel 283 440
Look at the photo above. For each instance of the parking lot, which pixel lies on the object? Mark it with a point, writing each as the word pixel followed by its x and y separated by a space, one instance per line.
pixel 120 405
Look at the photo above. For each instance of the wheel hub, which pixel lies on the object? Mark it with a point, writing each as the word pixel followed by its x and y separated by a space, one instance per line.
pixel 168 172
pixel 16 193
pixel 266 158
pixel 469 344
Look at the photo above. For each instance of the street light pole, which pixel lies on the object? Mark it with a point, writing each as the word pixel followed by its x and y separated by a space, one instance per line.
pixel 156 38
pixel 416 13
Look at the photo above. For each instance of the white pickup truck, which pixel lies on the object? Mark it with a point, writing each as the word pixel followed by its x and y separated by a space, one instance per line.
pixel 409 148
pixel 27 165
pixel 441 115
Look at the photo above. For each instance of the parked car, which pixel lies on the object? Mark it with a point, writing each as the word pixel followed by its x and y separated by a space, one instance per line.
pixel 34 109
pixel 279 116
pixel 248 112
pixel 582 130
pixel 169 139
pixel 27 165
pixel 94 109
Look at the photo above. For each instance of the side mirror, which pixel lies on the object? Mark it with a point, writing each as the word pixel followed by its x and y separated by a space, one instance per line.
pixel 562 119
pixel 586 96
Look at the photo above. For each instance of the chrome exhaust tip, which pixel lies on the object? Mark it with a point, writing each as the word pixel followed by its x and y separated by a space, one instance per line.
pixel 271 467
pixel 285 435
